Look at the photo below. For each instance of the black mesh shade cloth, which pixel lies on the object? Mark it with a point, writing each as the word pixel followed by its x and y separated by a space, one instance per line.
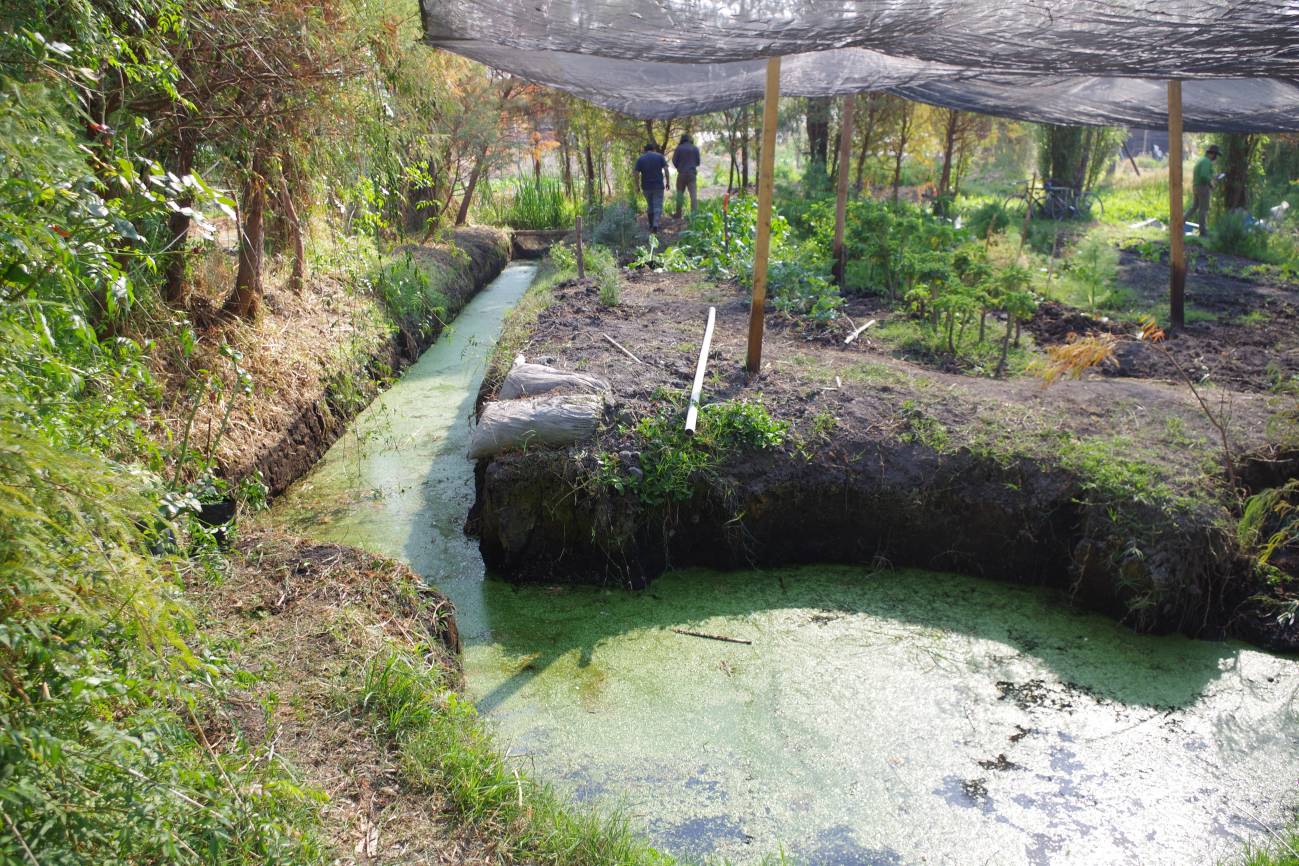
pixel 1077 62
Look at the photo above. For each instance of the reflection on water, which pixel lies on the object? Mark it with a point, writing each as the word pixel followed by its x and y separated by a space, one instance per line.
pixel 875 717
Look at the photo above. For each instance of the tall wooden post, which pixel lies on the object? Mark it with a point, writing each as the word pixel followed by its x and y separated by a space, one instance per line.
pixel 762 245
pixel 841 193
pixel 1176 218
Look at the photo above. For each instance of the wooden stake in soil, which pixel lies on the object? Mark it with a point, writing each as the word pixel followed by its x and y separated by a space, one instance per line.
pixel 762 245
pixel 621 348
pixel 841 192
pixel 1176 218
pixel 692 413
pixel 581 265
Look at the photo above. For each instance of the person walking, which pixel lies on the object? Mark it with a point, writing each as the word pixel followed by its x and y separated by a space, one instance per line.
pixel 653 170
pixel 685 159
pixel 1202 185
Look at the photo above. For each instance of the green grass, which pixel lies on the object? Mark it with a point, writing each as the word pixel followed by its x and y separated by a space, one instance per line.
pixel 671 461
pixel 537 203
pixel 519 321
pixel 445 747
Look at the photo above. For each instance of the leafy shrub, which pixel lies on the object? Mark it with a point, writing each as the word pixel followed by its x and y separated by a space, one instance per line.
pixel 674 258
pixel 1236 234
pixel 618 229
pixel 798 289
pixel 406 290
pixel 989 218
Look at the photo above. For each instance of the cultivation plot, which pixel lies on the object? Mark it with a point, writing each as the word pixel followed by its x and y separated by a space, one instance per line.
pixel 1111 487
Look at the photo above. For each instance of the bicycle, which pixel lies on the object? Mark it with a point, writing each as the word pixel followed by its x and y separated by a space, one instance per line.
pixel 1058 202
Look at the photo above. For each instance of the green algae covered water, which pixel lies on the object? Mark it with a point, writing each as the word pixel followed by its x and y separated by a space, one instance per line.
pixel 872 717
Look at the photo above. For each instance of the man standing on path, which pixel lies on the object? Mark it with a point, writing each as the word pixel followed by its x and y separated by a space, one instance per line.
pixel 1202 183
pixel 653 171
pixel 685 159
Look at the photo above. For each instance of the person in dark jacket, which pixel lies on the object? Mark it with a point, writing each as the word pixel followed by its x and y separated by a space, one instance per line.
pixel 685 159
pixel 653 170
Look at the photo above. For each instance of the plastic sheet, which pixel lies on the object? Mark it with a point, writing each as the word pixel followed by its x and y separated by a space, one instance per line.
pixel 1081 62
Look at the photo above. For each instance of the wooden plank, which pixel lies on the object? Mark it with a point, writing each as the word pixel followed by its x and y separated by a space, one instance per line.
pixel 762 245
pixel 1176 217
pixel 841 192
pixel 692 413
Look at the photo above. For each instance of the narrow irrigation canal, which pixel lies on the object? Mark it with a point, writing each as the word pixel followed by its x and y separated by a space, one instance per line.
pixel 886 717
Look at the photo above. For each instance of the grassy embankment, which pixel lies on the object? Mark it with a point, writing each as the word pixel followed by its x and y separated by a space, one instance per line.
pixel 142 716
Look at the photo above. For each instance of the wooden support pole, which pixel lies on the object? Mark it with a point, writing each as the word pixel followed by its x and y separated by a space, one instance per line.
pixel 841 193
pixel 581 262
pixel 1176 218
pixel 692 413
pixel 762 245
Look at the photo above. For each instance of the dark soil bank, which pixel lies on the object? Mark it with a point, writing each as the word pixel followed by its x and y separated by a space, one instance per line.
pixel 1075 487
pixel 480 255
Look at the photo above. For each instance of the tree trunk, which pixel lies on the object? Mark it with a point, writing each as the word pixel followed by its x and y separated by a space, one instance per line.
pixel 818 133
pixel 1237 153
pixel 173 290
pixel 246 298
pixel 297 279
pixel 566 153
pixel 949 146
pixel 744 153
pixel 865 143
pixel 463 214
pixel 590 168
pixel 907 114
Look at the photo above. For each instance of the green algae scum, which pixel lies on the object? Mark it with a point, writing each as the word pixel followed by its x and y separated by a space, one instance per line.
pixel 872 717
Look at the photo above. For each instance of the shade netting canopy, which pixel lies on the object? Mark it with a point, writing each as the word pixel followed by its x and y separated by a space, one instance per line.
pixel 1063 61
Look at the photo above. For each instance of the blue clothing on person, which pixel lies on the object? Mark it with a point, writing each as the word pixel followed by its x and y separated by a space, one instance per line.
pixel 651 167
pixel 653 170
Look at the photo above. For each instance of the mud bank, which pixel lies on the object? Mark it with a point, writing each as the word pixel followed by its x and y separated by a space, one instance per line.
pixel 321 417
pixel 995 479
pixel 871 502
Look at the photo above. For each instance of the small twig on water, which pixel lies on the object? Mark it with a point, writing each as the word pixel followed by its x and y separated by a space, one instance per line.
pixel 713 636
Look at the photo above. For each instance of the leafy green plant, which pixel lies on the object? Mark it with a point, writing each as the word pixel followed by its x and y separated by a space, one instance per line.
pixel 1269 523
pixel 618 228
pixel 1094 268
pixel 1235 233
pixel 988 219
pixel 671 461
pixel 672 258
pixel 406 290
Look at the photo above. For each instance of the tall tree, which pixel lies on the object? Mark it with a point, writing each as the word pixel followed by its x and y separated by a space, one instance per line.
pixel 900 136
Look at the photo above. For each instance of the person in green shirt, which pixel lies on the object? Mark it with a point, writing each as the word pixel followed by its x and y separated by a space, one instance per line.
pixel 1202 184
